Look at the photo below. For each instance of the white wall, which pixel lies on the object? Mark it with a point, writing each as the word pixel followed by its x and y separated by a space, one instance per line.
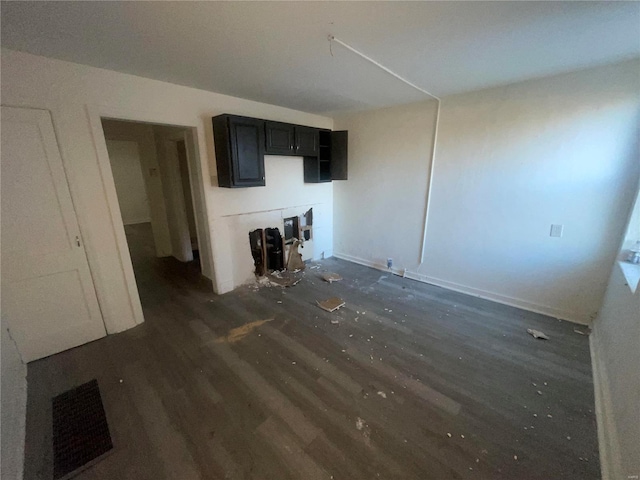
pixel 379 211
pixel 510 162
pixel 278 172
pixel 142 135
pixel 130 185
pixel 616 361
pixel 14 409
pixel 78 95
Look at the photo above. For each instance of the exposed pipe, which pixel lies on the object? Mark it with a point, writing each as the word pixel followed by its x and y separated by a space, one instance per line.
pixel 332 38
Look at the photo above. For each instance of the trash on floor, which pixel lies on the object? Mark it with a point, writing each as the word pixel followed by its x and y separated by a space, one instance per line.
pixel 331 277
pixel 331 304
pixel 335 322
pixel 537 334
pixel 586 331
pixel 284 278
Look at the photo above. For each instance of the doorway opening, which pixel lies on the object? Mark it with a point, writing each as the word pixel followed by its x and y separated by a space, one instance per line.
pixel 159 206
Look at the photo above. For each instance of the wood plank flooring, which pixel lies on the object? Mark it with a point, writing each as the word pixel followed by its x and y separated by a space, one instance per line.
pixel 415 382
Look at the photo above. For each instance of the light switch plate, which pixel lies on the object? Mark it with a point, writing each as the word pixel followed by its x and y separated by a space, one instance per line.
pixel 556 230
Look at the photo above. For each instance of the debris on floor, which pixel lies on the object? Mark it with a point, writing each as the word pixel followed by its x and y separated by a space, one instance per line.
pixel 537 334
pixel 331 277
pixel 239 333
pixel 331 304
pixel 382 394
pixel 335 322
pixel 294 262
pixel 284 278
pixel 586 331
pixel 366 431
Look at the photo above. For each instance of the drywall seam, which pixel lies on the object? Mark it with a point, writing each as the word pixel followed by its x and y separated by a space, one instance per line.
pixel 608 443
pixel 9 334
pixel 308 205
pixel 494 297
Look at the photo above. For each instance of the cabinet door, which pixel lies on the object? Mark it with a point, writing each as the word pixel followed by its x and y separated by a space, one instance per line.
pixel 339 148
pixel 280 139
pixel 247 151
pixel 306 141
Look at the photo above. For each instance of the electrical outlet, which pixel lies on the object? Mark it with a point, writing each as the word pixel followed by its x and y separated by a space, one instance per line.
pixel 556 230
pixel 389 262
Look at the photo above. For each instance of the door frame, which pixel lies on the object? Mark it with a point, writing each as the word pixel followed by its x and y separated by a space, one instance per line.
pixel 95 114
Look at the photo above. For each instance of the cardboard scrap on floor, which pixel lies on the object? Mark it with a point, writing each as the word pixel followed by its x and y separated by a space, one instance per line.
pixel 537 334
pixel 294 262
pixel 331 304
pixel 331 277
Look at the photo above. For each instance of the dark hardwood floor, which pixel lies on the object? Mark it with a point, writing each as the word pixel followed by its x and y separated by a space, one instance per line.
pixel 415 382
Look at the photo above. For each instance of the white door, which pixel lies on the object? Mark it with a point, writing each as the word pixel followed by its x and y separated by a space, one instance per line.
pixel 48 299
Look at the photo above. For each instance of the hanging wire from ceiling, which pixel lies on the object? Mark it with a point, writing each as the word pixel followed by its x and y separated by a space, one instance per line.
pixel 331 39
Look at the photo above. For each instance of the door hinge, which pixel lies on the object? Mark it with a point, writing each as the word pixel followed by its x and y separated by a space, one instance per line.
pixel 77 241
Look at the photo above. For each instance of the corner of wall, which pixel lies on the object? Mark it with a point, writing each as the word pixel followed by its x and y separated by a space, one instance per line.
pixel 608 442
pixel 14 407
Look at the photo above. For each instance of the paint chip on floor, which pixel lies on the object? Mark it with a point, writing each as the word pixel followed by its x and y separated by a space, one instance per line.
pixel 537 334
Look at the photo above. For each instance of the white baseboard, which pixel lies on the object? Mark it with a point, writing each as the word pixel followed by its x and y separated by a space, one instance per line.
pixel 476 292
pixel 609 446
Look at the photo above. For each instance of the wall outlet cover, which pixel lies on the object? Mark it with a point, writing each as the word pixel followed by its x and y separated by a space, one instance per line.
pixel 556 230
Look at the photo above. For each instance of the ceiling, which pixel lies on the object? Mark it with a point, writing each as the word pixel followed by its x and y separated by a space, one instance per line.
pixel 278 52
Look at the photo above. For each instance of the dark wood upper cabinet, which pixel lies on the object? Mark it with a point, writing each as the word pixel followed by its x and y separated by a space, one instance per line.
pixel 288 139
pixel 239 144
pixel 242 142
pixel 339 155
pixel 306 141
pixel 280 138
